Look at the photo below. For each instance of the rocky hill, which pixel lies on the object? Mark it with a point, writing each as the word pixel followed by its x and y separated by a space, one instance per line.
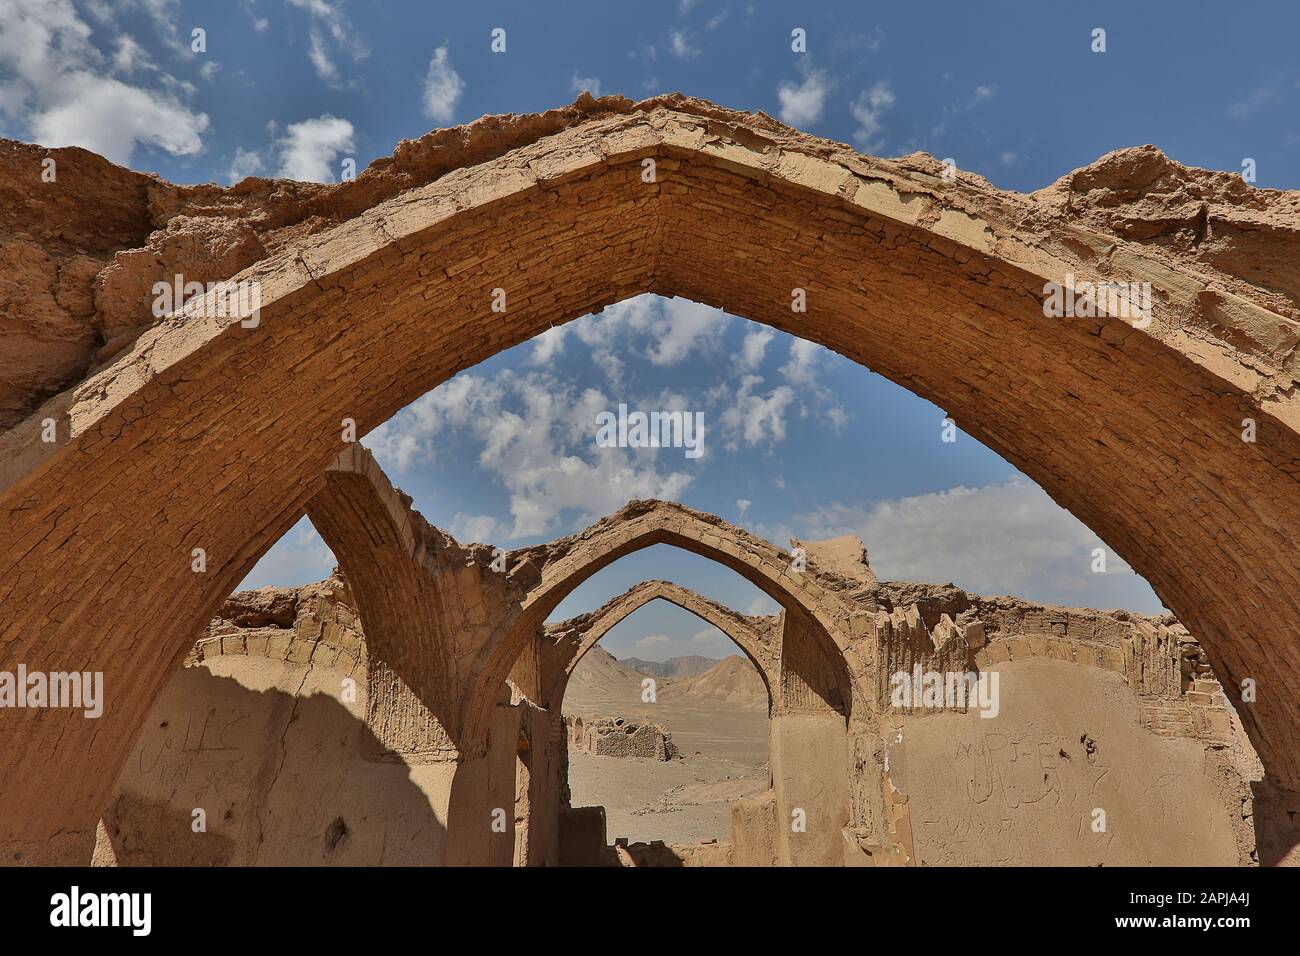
pixel 674 667
pixel 732 679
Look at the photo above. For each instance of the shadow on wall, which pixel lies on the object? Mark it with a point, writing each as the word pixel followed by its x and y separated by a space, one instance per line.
pixel 283 772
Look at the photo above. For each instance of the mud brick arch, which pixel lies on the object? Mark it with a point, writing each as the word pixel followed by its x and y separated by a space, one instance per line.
pixel 567 642
pixel 461 665
pixel 811 657
pixel 815 689
pixel 821 790
pixel 207 433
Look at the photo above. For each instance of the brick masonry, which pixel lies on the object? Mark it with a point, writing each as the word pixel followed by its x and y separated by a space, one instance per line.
pixel 200 433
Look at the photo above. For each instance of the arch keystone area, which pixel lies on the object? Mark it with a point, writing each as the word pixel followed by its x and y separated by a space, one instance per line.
pixel 200 432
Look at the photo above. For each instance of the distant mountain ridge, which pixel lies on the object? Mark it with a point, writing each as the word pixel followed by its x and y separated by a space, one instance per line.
pixel 687 666
pixel 732 679
pixel 599 676
pixel 601 682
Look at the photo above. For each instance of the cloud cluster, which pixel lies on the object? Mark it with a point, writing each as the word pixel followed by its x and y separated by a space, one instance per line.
pixel 69 93
pixel 1007 538
pixel 532 430
pixel 803 103
pixel 330 34
pixel 867 110
pixel 535 438
pixel 664 331
pixel 309 149
pixel 585 84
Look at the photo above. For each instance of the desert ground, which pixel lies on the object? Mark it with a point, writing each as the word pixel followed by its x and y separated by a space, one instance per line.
pixel 717 719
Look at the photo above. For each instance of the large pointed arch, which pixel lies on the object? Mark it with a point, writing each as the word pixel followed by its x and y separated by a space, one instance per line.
pixel 211 435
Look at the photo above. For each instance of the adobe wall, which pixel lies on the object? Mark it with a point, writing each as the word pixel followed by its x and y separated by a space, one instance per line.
pixel 619 737
pixel 259 731
pixel 1070 740
pixel 1097 711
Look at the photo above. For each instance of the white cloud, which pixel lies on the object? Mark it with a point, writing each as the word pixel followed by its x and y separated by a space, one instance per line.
pixel 866 112
pixel 407 439
pixel 743 505
pixel 482 529
pixel 259 23
pixel 131 56
pixel 246 163
pixel 111 118
pixel 608 333
pixel 675 330
pixel 802 371
pixel 802 104
pixel 754 346
pixel 442 87
pixel 651 641
pixel 682 45
pixel 587 84
pixel 801 368
pixel 666 331
pixel 64 88
pixel 163 14
pixel 536 439
pixel 320 58
pixel 396 448
pixel 309 149
pixel 686 322
pixel 1008 538
pixel 329 33
pixel 754 417
pixel 532 430
pixel 547 345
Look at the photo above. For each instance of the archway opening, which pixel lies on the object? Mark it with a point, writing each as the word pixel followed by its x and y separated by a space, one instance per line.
pixel 873 253
pixel 666 741
pixel 650 546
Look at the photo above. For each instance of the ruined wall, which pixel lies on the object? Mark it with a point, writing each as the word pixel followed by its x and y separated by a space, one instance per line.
pixel 934 282
pixel 1095 713
pixel 943 628
pixel 1024 788
pixel 619 737
pixel 262 731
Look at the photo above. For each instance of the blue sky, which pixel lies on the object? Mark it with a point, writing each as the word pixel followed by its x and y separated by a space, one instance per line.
pixel 798 441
